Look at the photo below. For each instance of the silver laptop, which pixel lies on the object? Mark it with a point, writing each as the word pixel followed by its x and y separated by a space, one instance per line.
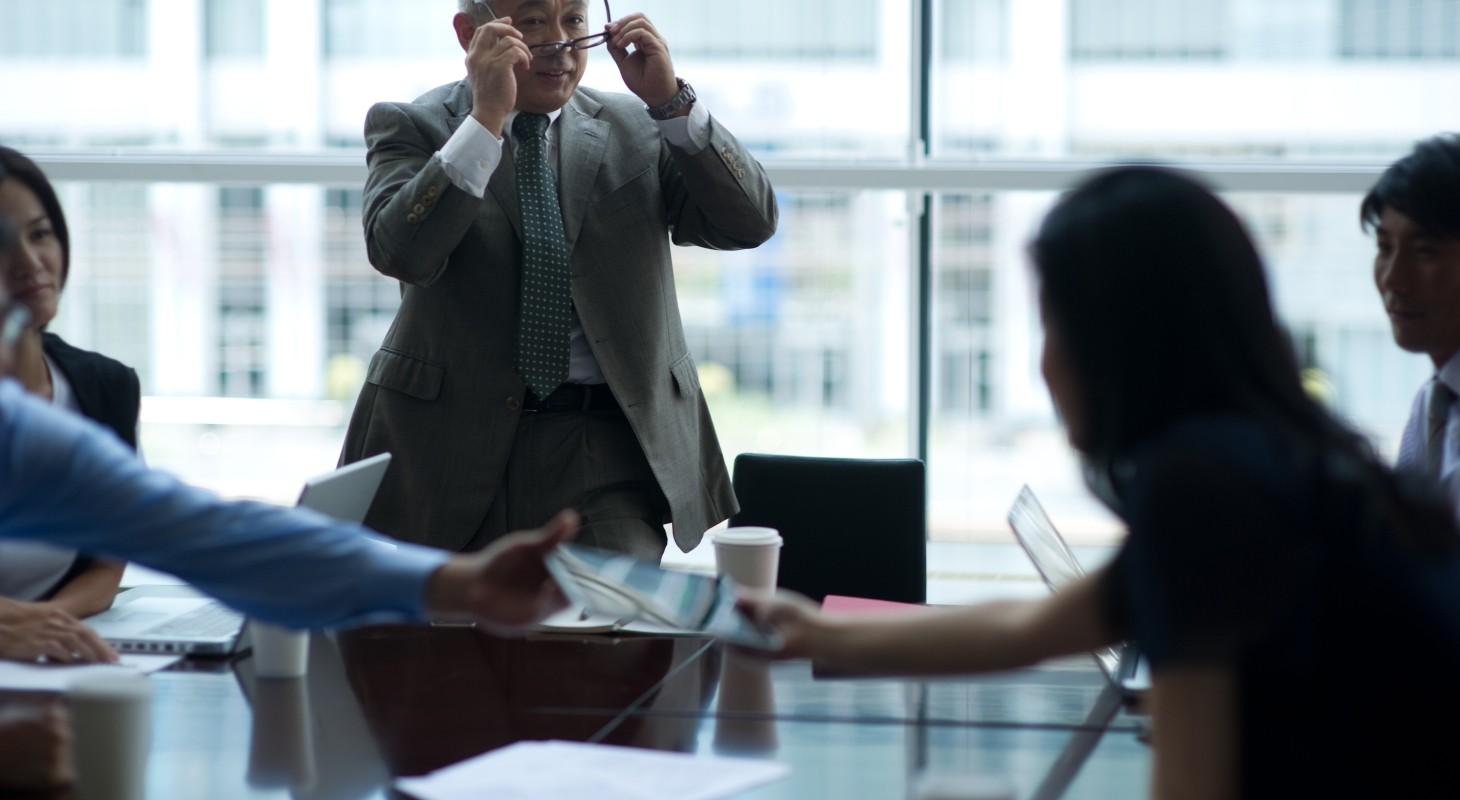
pixel 179 619
pixel 1058 567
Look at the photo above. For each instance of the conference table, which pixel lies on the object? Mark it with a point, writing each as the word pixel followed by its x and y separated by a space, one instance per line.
pixel 383 702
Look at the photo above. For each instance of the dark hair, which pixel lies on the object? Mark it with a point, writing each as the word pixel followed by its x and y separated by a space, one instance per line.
pixel 7 232
pixel 1159 299
pixel 14 165
pixel 1424 186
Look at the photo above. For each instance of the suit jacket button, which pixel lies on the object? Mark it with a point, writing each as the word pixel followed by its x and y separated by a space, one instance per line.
pixel 433 191
pixel 419 209
pixel 514 403
pixel 412 218
pixel 428 201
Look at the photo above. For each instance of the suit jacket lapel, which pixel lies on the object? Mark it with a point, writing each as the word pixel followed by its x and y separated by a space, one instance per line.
pixel 582 141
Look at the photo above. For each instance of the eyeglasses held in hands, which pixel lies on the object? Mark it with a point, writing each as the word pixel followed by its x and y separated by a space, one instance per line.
pixel 550 49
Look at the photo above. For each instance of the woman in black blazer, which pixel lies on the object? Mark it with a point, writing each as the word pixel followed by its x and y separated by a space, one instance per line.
pixel 46 587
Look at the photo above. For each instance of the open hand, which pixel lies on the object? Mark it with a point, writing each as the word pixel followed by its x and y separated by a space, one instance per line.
pixel 30 631
pixel 792 615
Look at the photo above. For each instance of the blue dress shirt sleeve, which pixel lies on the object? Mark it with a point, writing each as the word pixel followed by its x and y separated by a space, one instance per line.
pixel 67 481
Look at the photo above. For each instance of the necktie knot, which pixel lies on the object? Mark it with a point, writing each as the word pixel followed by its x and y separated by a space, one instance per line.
pixel 529 125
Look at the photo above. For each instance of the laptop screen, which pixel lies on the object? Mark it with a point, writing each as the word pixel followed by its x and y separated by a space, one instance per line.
pixel 1052 558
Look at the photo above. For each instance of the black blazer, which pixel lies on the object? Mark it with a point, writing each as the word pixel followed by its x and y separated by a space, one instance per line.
pixel 106 389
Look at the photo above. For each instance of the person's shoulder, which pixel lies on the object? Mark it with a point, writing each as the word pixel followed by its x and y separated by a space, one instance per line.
pixel 1206 461
pixel 442 99
pixel 1210 440
pixel 72 357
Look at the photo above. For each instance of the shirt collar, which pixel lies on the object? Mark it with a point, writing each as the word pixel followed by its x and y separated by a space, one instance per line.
pixel 1449 374
pixel 512 117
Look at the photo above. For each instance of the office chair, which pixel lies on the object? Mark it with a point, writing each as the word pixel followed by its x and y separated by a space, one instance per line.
pixel 849 526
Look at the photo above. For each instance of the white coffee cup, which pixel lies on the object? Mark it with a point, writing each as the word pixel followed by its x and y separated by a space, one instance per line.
pixel 278 652
pixel 111 724
pixel 751 556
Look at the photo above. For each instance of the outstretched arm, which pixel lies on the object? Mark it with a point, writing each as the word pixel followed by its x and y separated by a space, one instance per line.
pixel 982 638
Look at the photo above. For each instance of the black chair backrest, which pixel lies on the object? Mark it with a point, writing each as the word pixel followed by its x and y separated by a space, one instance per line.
pixel 850 526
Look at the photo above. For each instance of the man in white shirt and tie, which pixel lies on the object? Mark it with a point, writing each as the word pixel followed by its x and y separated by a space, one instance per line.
pixel 1414 211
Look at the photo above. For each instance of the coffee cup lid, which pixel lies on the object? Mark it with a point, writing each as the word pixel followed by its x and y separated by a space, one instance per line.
pixel 747 536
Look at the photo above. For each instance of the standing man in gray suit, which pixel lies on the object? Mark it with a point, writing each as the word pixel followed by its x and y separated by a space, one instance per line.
pixel 538 360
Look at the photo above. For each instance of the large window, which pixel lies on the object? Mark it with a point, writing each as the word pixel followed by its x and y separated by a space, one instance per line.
pixel 890 316
pixel 88 29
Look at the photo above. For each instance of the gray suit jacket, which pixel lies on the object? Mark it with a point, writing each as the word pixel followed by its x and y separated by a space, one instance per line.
pixel 442 395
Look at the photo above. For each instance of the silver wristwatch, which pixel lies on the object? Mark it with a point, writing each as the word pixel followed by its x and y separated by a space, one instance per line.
pixel 685 97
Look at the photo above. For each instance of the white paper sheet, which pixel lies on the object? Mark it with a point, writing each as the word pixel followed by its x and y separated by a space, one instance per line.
pixel 557 770
pixel 29 677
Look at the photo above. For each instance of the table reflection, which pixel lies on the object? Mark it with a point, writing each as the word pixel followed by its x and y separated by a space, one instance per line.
pixel 745 708
pixel 433 696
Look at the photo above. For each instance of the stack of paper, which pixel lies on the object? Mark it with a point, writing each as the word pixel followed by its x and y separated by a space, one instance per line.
pixel 563 770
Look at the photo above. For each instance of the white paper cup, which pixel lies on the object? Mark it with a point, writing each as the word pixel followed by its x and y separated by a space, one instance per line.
pixel 111 723
pixel 750 556
pixel 278 652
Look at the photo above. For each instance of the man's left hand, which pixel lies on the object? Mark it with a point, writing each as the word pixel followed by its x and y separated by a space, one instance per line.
pixel 648 71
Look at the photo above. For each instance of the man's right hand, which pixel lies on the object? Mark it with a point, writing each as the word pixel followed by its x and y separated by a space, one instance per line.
pixel 31 630
pixel 496 50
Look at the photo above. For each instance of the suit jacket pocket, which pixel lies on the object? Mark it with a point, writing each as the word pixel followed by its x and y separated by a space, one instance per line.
pixel 631 194
pixel 686 377
pixel 405 374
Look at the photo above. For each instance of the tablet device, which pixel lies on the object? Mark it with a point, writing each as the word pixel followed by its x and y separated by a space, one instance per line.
pixel 621 587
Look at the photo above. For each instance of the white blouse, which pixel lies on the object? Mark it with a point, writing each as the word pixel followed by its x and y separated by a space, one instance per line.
pixel 31 570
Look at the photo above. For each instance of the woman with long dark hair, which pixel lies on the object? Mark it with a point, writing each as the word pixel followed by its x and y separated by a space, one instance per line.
pixel 36 580
pixel 1272 561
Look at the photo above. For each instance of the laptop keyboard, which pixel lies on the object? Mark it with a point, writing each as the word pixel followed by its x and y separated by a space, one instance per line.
pixel 213 619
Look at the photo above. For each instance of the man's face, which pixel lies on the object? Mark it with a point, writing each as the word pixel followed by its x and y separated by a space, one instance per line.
pixel 1418 276
pixel 546 84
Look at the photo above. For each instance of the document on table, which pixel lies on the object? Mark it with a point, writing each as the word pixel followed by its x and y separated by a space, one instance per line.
pixel 556 770
pixel 31 677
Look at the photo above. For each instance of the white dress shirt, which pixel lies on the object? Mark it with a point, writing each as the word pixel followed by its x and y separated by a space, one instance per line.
pixel 31 570
pixel 472 154
pixel 1414 449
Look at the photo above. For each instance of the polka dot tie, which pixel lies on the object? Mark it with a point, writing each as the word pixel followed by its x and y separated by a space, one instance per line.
pixel 545 309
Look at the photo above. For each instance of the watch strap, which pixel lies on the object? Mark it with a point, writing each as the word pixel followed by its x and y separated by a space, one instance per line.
pixel 685 96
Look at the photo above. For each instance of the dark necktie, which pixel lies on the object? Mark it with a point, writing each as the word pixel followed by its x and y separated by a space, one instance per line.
pixel 545 310
pixel 1438 400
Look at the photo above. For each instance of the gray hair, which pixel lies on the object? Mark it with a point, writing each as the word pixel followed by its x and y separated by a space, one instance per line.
pixel 475 10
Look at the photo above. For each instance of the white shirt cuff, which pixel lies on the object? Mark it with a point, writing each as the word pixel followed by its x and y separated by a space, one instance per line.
pixel 470 157
pixel 691 133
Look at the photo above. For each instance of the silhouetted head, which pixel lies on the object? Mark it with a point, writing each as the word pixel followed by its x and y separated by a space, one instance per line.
pixel 1155 307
